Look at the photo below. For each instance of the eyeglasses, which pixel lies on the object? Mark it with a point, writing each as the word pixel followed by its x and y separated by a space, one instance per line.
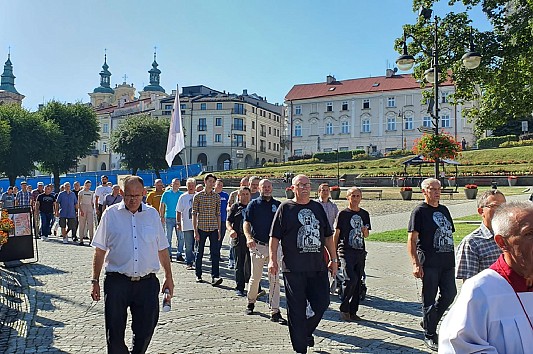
pixel 491 206
pixel 303 185
pixel 133 196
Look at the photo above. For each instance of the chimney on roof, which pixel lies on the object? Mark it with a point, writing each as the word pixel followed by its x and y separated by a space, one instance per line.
pixel 391 72
pixel 245 92
pixel 330 79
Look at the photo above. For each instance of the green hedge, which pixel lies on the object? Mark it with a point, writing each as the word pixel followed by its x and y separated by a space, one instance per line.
pixel 516 143
pixel 494 141
pixel 332 156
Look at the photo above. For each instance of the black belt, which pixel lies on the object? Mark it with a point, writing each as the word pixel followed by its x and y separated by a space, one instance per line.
pixel 261 243
pixel 147 276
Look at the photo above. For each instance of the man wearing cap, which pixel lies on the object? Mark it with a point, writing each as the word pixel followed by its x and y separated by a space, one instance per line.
pixel 34 194
pixel 8 198
pixel 23 196
pixel 86 211
pixel 99 195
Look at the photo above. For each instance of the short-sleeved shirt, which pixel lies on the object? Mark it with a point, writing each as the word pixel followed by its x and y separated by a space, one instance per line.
pixel 302 230
pixel 111 199
pixel 101 191
pixel 132 240
pixel 86 197
pixel 435 235
pixel 67 204
pixel 207 208
pixel 8 200
pixel 260 213
pixel 23 198
pixel 350 225
pixel 184 206
pixel 224 198
pixel 476 252
pixel 154 198
pixel 170 199
pixel 35 193
pixel 236 217
pixel 331 210
pixel 46 203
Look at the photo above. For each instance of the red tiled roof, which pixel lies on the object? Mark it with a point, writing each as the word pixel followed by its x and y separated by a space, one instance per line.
pixel 126 104
pixel 354 86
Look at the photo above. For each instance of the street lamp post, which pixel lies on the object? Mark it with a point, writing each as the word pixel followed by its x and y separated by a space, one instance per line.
pixel 230 136
pixel 471 60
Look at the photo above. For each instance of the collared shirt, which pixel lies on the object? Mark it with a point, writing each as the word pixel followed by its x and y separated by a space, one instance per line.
pixel 67 204
pixel 101 191
pixel 23 198
pixel 331 210
pixel 476 252
pixel 111 199
pixel 132 240
pixel 260 213
pixel 207 208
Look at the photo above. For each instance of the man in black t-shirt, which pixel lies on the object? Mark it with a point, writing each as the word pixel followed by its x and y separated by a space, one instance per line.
pixel 302 228
pixel 234 225
pixel 44 205
pixel 430 247
pixel 351 228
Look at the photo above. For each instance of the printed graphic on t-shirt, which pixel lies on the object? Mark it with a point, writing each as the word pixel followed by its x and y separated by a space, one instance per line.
pixel 356 235
pixel 443 239
pixel 274 208
pixel 309 233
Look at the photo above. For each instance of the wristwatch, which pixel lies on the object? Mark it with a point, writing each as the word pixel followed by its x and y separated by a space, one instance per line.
pixel 95 281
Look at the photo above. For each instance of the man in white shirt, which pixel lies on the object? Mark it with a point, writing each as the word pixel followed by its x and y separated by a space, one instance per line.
pixel 184 220
pixel 494 312
pixel 99 196
pixel 131 243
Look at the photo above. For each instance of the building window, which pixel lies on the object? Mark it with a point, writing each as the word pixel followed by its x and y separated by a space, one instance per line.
pixel 202 124
pixel 238 124
pixel 202 141
pixel 253 140
pixel 328 150
pixel 329 107
pixel 253 124
pixel 391 123
pixel 218 138
pixel 168 113
pixel 298 130
pixel 345 127
pixel 104 147
pixel 408 123
pixel 269 145
pixel 238 108
pixel 298 152
pixel 444 97
pixel 238 140
pixel 269 130
pixel 365 126
pixel 218 121
pixel 345 105
pixel 203 106
pixel 182 106
pixel 426 122
pixel 219 106
pixel 168 106
pixel 298 109
pixel 105 128
pixel 329 128
pixel 445 121
pixel 343 148
pixel 366 103
pixel 391 102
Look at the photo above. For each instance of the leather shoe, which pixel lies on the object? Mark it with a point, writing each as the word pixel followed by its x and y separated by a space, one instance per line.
pixel 276 317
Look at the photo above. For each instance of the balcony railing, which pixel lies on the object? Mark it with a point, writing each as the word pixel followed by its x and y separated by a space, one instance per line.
pixel 202 143
pixel 238 144
pixel 238 111
pixel 263 149
pixel 239 127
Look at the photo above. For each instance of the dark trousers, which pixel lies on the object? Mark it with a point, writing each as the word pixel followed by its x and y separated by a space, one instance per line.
pixel 47 220
pixel 142 299
pixel 242 262
pixel 301 287
pixel 353 264
pixel 443 280
pixel 214 251
pixel 222 234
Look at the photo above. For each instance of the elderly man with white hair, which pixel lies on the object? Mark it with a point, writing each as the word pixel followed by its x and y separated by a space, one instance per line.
pixel 494 312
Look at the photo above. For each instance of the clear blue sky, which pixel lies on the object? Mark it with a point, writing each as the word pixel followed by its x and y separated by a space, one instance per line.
pixel 57 46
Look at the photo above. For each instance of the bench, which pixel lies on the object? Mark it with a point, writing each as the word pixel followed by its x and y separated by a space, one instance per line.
pixel 450 192
pixel 379 192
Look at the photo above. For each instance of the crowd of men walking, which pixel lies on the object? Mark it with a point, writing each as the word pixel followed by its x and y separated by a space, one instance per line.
pixel 306 240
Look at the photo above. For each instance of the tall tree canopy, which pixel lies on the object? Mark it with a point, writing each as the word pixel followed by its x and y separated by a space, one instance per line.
pixel 76 130
pixel 21 141
pixel 142 141
pixel 502 83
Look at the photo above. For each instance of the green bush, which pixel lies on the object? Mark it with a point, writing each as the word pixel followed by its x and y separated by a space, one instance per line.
pixel 291 163
pixel 516 143
pixel 495 141
pixel 332 156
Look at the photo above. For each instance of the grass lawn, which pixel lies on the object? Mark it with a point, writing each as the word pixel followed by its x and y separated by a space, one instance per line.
pixel 400 236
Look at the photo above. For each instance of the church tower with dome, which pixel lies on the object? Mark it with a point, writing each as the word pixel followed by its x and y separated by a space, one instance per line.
pixel 8 92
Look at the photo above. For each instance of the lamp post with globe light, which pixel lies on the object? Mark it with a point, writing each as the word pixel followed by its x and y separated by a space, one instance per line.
pixel 405 62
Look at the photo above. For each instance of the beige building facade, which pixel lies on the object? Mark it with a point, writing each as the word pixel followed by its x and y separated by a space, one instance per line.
pixel 376 114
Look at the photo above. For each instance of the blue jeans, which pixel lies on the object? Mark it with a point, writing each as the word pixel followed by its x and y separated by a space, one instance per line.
pixel 214 250
pixel 189 246
pixel 47 220
pixel 170 226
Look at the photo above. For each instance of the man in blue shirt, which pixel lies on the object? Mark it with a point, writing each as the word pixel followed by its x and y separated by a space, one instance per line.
pixel 66 210
pixel 167 211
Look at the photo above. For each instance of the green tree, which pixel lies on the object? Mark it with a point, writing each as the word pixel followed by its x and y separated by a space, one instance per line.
pixel 76 130
pixel 502 83
pixel 23 145
pixel 142 141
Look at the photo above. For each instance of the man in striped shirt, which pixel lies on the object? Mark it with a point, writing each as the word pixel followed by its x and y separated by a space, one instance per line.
pixel 206 223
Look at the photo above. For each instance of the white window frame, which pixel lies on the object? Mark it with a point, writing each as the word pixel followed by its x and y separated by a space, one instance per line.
pixel 391 123
pixel 408 124
pixel 427 122
pixel 298 109
pixel 329 128
pixel 445 121
pixel 345 127
pixel 105 128
pixel 298 130
pixel 366 102
pixel 345 103
pixel 391 101
pixel 203 106
pixel 365 126
pixel 329 106
pixel 298 152
pixel 218 138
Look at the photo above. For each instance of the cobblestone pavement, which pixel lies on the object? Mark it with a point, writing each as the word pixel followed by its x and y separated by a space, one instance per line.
pixel 46 308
